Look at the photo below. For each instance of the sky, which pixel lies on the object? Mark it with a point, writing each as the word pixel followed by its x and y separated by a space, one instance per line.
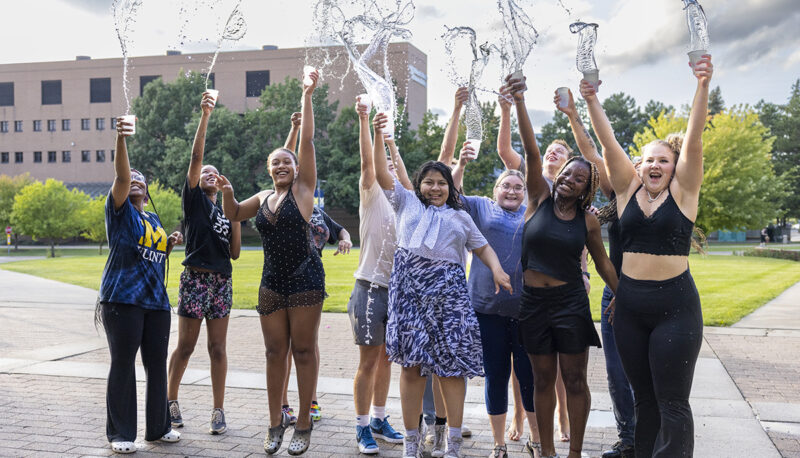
pixel 641 47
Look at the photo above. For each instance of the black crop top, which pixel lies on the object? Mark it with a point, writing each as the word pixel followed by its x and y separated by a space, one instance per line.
pixel 666 232
pixel 553 246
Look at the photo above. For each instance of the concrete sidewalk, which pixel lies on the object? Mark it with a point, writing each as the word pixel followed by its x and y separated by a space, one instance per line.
pixel 54 363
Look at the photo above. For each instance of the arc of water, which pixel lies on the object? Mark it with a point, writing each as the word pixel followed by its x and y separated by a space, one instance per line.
pixel 520 33
pixel 235 28
pixel 698 25
pixel 587 33
pixel 124 12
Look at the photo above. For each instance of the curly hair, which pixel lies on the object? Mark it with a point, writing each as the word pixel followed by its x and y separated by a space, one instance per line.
pixel 453 199
pixel 585 201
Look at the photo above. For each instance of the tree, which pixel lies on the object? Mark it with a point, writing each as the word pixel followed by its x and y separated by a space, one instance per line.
pixel 740 189
pixel 48 211
pixel 654 108
pixel 9 187
pixel 93 219
pixel 625 117
pixel 166 203
pixel 715 102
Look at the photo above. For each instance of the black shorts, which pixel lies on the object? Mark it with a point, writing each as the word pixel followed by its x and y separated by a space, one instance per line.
pixel 556 320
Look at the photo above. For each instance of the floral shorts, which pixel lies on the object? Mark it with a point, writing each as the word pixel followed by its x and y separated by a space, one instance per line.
pixel 206 295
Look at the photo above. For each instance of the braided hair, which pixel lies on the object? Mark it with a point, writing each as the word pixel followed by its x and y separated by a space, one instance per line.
pixel 594 181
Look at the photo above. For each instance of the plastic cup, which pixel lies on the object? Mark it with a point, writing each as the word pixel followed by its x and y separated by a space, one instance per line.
pixel 694 56
pixel 129 119
pixel 517 75
pixel 364 99
pixel 388 131
pixel 214 94
pixel 475 143
pixel 307 69
pixel 592 77
pixel 563 94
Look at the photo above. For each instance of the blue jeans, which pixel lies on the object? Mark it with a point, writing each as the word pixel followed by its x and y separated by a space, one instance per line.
pixel 618 386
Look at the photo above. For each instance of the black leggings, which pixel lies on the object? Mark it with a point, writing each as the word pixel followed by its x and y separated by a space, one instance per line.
pixel 128 328
pixel 658 326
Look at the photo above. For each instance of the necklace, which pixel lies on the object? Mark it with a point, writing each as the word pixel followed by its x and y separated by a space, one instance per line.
pixel 653 199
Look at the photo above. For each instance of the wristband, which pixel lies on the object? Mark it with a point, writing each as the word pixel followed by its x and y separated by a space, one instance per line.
pixel 587 275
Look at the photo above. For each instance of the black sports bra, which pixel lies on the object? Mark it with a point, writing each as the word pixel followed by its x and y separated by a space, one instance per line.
pixel 667 232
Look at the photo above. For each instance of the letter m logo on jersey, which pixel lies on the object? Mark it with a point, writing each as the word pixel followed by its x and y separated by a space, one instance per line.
pixel 153 238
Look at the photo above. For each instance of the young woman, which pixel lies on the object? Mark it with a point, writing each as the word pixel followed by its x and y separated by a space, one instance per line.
pixel 206 288
pixel 619 389
pixel 658 322
pixel 293 280
pixel 133 306
pixel 555 320
pixel 500 220
pixel 432 327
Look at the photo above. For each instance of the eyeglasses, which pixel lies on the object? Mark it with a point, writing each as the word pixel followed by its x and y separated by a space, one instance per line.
pixel 507 187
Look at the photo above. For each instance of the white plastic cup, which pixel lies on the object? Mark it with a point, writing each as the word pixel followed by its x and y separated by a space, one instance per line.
pixel 364 99
pixel 214 94
pixel 307 69
pixel 694 56
pixel 129 119
pixel 592 77
pixel 563 94
pixel 517 75
pixel 476 144
pixel 388 131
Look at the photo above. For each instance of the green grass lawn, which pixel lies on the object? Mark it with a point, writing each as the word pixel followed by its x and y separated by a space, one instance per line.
pixel 730 286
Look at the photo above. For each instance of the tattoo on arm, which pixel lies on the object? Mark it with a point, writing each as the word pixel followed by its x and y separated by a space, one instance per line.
pixel 586 132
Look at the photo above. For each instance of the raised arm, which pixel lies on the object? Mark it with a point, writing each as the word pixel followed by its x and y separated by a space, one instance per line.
pixel 511 159
pixel 399 166
pixel 198 147
pixel 306 157
pixel 122 166
pixel 585 142
pixel 382 174
pixel 291 140
pixel 451 132
pixel 465 156
pixel 538 189
pixel 233 210
pixel 689 169
pixel 619 168
pixel 365 146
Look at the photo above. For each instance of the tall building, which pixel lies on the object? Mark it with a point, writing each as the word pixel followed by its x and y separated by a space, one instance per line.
pixel 57 119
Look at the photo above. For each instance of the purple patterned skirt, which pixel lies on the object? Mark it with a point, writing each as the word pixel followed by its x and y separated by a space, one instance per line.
pixel 431 321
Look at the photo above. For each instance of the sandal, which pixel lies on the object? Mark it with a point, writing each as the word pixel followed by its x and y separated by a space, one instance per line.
pixel 274 437
pixel 301 439
pixel 533 448
pixel 123 447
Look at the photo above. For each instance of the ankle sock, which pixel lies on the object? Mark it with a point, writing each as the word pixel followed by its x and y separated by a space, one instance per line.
pixel 362 420
pixel 412 433
pixel 453 432
pixel 441 421
pixel 379 412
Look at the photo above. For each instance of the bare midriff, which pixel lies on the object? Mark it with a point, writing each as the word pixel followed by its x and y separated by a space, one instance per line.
pixel 540 280
pixel 644 266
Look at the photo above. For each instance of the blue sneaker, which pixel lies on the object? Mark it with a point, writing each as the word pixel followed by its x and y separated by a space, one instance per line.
pixel 366 444
pixel 381 429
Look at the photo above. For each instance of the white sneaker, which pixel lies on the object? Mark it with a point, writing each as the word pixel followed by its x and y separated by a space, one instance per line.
pixel 465 431
pixel 171 436
pixel 123 447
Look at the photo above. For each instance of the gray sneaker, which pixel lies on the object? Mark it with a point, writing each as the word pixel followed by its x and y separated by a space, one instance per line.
pixel 454 447
pixel 411 446
pixel 218 425
pixel 175 414
pixel 439 440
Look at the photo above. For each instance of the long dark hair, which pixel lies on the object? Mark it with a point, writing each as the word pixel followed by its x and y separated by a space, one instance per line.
pixel 453 199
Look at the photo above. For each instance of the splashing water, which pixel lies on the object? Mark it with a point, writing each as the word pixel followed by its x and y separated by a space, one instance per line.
pixel 520 34
pixel 234 29
pixel 588 37
pixel 124 19
pixel 562 5
pixel 698 25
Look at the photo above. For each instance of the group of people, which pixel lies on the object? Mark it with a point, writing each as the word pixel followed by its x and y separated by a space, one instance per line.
pixel 525 305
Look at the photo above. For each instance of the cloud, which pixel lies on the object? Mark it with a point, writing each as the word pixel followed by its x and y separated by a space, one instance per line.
pixel 429 12
pixel 93 6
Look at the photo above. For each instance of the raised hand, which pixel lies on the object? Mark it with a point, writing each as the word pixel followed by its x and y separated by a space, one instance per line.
pixel 505 98
pixel 517 87
pixel 124 129
pixel 207 103
pixel 467 154
pixel 314 76
pixel 570 109
pixel 361 109
pixel 703 70
pixel 223 184
pixel 462 95
pixel 588 90
pixel 379 122
pixel 296 118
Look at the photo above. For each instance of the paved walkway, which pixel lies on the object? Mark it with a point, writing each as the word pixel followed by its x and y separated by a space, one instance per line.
pixel 53 364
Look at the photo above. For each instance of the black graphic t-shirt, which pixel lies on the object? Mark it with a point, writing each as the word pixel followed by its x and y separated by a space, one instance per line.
pixel 323 229
pixel 207 232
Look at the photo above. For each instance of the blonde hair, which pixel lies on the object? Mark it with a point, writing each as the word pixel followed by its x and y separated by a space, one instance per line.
pixel 562 143
pixel 673 142
pixel 511 173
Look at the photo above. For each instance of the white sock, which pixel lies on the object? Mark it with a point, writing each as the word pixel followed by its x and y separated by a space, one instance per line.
pixel 454 432
pixel 411 433
pixel 379 412
pixel 362 420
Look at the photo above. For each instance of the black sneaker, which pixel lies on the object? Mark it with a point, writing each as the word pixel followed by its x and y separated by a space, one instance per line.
pixel 620 450
pixel 175 414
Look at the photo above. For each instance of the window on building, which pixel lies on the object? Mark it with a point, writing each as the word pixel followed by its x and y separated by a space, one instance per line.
pixel 143 80
pixel 100 155
pixel 4 158
pixel 211 80
pixel 66 156
pixel 112 155
pixel 100 123
pixel 18 157
pixel 3 126
pixel 65 124
pixel 99 90
pixel 37 156
pixel 86 156
pixel 51 92
pixel 86 124
pixel 6 94
pixel 256 81
pixel 37 125
pixel 51 156
pixel 113 124
pixel 17 126
pixel 51 125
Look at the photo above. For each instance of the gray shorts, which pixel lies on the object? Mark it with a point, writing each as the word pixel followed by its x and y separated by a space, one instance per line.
pixel 368 330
